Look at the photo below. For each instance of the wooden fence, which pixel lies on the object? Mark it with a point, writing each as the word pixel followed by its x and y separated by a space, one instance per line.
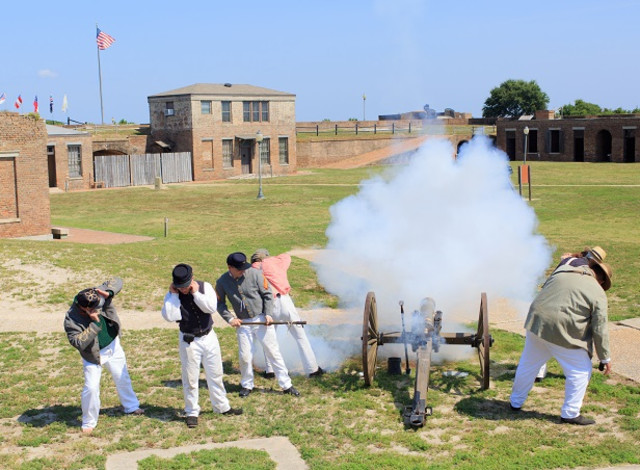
pixel 134 170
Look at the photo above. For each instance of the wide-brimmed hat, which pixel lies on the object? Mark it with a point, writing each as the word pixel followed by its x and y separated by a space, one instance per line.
pixel 596 253
pixel 90 298
pixel 259 255
pixel 238 260
pixel 182 275
pixel 604 269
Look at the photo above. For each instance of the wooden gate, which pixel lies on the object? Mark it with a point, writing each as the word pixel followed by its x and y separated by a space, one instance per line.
pixel 143 169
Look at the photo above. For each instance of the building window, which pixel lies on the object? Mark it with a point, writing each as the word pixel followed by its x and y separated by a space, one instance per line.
pixel 283 143
pixel 226 111
pixel 554 141
pixel 532 141
pixel 265 153
pixel 75 161
pixel 207 154
pixel 227 153
pixel 8 188
pixel 168 109
pixel 255 111
pixel 205 107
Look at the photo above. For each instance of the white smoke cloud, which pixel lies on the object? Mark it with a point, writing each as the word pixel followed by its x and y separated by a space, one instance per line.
pixel 438 227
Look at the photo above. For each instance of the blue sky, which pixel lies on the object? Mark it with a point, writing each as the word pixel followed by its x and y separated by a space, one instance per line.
pixel 402 54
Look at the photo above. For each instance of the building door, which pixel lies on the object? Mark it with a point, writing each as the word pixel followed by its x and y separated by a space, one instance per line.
pixel 51 156
pixel 246 150
pixel 511 145
pixel 603 146
pixel 578 145
pixel 629 146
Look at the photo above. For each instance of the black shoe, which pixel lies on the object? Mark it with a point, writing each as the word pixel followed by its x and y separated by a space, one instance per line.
pixel 192 421
pixel 579 420
pixel 244 392
pixel 513 408
pixel 291 391
pixel 269 375
pixel 233 411
pixel 317 373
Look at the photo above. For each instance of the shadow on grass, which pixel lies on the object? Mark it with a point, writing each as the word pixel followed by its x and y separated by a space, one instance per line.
pixel 498 410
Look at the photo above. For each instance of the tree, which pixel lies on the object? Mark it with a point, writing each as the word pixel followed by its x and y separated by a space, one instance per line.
pixel 514 98
pixel 581 108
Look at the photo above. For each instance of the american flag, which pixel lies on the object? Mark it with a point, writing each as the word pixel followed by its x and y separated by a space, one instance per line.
pixel 103 39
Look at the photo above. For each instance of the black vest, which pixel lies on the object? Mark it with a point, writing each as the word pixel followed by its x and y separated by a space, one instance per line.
pixel 194 321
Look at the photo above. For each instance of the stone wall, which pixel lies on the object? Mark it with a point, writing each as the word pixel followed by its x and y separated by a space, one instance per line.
pixel 24 185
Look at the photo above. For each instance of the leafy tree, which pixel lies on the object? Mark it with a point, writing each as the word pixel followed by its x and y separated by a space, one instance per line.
pixel 514 98
pixel 581 108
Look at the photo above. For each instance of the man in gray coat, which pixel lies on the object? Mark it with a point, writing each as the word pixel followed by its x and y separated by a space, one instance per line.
pixel 567 320
pixel 252 302
pixel 93 328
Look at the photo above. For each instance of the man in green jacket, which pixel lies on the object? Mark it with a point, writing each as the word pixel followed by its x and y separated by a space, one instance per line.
pixel 567 320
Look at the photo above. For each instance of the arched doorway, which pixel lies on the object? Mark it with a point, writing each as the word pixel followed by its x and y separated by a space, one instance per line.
pixel 460 144
pixel 603 146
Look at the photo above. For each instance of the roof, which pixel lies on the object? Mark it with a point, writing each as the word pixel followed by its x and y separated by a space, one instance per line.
pixel 222 89
pixel 57 130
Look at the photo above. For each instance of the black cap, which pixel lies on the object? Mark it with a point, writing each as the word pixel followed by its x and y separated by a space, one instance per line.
pixel 238 260
pixel 182 275
pixel 89 298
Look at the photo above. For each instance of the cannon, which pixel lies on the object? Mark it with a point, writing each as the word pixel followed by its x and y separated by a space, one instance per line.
pixel 424 337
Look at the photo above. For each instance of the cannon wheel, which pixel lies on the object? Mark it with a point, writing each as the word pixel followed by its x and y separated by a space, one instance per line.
pixel 484 345
pixel 369 338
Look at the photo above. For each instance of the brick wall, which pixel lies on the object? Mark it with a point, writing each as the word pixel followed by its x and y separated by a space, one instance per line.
pixel 24 185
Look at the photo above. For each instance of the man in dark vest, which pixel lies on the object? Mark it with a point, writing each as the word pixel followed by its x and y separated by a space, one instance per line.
pixel 190 303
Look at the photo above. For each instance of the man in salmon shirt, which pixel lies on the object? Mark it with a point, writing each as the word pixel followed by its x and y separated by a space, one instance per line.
pixel 274 269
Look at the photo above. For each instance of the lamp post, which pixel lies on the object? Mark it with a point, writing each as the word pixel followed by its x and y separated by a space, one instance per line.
pixel 526 135
pixel 259 138
pixel 364 101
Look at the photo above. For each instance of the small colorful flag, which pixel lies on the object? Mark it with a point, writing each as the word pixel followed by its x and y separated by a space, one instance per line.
pixel 3 98
pixel 103 39
pixel 18 102
pixel 35 104
pixel 65 105
pixel 51 104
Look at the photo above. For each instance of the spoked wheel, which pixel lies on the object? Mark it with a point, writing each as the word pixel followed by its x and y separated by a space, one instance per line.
pixel 484 343
pixel 369 338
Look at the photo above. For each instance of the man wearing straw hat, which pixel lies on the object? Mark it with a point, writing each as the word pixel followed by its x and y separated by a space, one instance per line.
pixel 567 320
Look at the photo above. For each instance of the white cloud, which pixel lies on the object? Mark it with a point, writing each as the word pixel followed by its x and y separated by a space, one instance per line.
pixel 46 73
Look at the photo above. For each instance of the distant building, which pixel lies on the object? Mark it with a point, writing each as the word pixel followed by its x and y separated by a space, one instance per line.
pixel 70 158
pixel 24 190
pixel 218 124
pixel 578 139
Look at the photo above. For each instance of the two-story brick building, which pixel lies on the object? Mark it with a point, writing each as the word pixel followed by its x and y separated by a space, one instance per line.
pixel 24 189
pixel 585 139
pixel 225 127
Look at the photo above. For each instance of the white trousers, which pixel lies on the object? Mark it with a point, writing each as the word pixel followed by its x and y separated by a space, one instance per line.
pixel 575 363
pixel 285 310
pixel 203 350
pixel 266 335
pixel 113 359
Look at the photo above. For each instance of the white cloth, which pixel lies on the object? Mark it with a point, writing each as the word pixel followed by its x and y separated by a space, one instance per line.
pixel 285 310
pixel 206 350
pixel 575 364
pixel 113 359
pixel 207 302
pixel 266 335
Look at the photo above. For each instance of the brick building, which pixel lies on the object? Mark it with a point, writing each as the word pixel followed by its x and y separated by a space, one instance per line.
pixel 584 139
pixel 218 124
pixel 70 158
pixel 24 189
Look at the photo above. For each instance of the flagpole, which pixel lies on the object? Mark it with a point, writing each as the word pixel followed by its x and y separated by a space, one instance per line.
pixel 100 80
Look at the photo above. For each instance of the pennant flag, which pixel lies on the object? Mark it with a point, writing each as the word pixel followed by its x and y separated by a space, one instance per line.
pixel 103 39
pixel 35 104
pixel 51 104
pixel 65 105
pixel 18 102
pixel 3 98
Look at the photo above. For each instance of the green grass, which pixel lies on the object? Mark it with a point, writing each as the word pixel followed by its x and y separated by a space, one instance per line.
pixel 338 423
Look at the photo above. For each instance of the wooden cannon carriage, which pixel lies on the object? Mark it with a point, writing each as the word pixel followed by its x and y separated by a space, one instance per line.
pixel 424 337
